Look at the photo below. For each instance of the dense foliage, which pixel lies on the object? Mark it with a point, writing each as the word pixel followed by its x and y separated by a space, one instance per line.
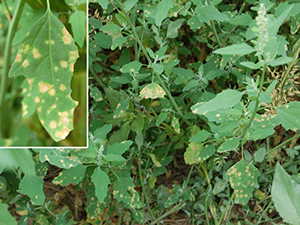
pixel 194 119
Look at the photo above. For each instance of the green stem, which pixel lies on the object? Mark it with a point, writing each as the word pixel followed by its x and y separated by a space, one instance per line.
pixel 213 27
pixel 254 111
pixel 225 210
pixel 97 78
pixel 143 186
pixel 174 209
pixel 7 8
pixel 283 143
pixel 7 56
pixel 264 212
pixel 48 5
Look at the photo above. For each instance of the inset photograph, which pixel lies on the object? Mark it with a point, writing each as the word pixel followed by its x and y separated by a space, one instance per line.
pixel 43 95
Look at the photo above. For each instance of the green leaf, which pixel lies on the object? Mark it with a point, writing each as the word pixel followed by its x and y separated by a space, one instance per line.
pixel 288 115
pixel 101 132
pixel 101 181
pixel 152 91
pixel 77 21
pixel 46 58
pixel 118 42
pixel 161 118
pixel 124 192
pixel 72 175
pixel 129 4
pixel 114 158
pixel 235 49
pixel 286 195
pixel 225 99
pixel 242 20
pixel 154 160
pixel 119 148
pixel 201 136
pixel 196 152
pixel 30 183
pixel 158 68
pixel 59 158
pixel 259 155
pixel 281 61
pixel 229 144
pixel 161 11
pixel 103 40
pixel 243 176
pixel 207 13
pixel 103 3
pixel 5 217
pixel 134 66
pixel 172 31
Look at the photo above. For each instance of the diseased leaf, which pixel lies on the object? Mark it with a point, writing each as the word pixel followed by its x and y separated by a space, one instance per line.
pixel 288 115
pixel 229 144
pixel 286 195
pixel 152 91
pixel 124 192
pixel 58 157
pixel 72 175
pixel 96 94
pixel 196 152
pixel 235 49
pixel 243 176
pixel 134 66
pixel 30 183
pixel 225 99
pixel 101 181
pixel 46 58
pixel 175 124
pixel 121 108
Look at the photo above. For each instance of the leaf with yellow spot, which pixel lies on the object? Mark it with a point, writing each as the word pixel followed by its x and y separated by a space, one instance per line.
pixel 46 59
pixel 124 192
pixel 72 175
pixel 101 181
pixel 288 115
pixel 2 184
pixel 152 91
pixel 59 158
pixel 96 94
pixel 243 177
pixel 30 183
pixel 196 153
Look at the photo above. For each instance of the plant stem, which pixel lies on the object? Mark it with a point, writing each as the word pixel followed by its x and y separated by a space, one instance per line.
pixel 7 56
pixel 174 209
pixel 7 8
pixel 213 27
pixel 282 144
pixel 225 210
pixel 254 111
pixel 143 186
pixel 264 212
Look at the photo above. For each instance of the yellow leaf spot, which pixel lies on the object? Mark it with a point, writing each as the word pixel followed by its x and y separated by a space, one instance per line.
pixel 27 34
pixel 51 42
pixel 55 68
pixel 26 49
pixel 36 53
pixel 24 113
pixel 30 81
pixel 39 109
pixel 72 67
pixel 37 99
pixel 63 134
pixel 73 56
pixel 53 124
pixel 42 121
pixel 62 87
pixel 64 117
pixel 52 92
pixel 18 57
pixel 218 115
pixel 24 107
pixel 44 87
pixel 287 106
pixel 67 37
pixel 25 63
pixel 63 64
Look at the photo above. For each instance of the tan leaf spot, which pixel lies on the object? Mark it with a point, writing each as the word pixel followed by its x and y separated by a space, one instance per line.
pixel 64 117
pixel 62 87
pixel 36 53
pixel 53 124
pixel 44 87
pixel 30 81
pixel 63 64
pixel 73 56
pixel 72 67
pixel 52 92
pixel 26 49
pixel 25 63
pixel 18 57
pixel 37 99
pixel 63 134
